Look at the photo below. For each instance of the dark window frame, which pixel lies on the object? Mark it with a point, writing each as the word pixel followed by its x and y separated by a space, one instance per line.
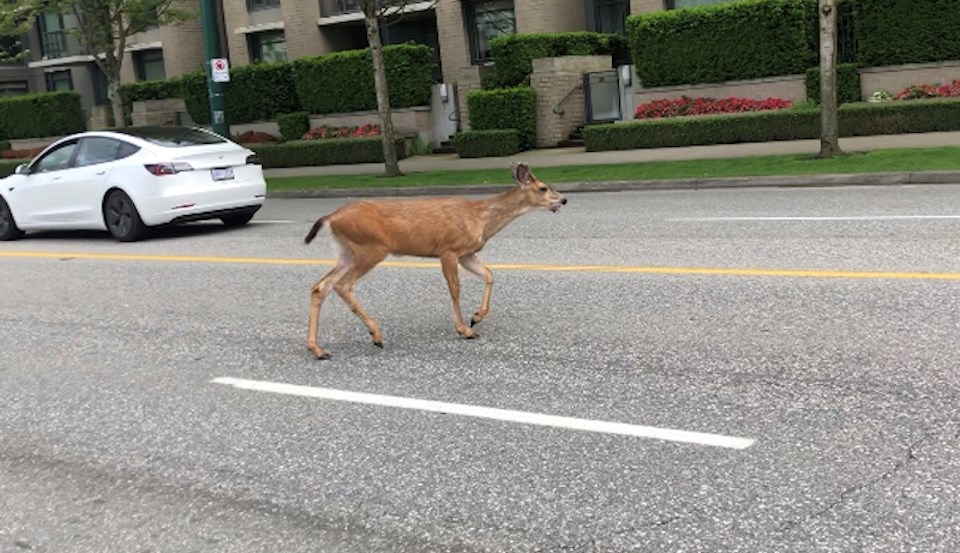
pixel 470 17
pixel 139 63
pixel 35 166
pixel 255 44
pixel 49 79
pixel 257 5
pixel 600 5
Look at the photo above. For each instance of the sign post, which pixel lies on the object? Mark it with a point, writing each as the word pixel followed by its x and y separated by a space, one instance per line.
pixel 218 70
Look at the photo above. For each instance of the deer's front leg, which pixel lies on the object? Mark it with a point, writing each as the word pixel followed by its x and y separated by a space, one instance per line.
pixel 473 264
pixel 449 264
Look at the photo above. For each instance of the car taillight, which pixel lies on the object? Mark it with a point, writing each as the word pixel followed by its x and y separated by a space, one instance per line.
pixel 160 169
pixel 253 159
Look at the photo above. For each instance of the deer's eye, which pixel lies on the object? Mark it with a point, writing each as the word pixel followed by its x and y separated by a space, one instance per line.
pixel 544 189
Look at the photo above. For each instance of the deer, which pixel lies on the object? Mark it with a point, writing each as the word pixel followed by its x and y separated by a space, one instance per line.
pixel 453 230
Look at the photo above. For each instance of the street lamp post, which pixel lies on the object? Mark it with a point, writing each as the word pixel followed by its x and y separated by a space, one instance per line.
pixel 211 47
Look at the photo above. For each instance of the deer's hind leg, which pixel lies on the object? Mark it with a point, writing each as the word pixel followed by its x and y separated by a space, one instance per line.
pixel 473 264
pixel 449 264
pixel 362 262
pixel 318 293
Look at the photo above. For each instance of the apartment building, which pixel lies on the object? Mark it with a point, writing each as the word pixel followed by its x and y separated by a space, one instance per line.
pixel 265 31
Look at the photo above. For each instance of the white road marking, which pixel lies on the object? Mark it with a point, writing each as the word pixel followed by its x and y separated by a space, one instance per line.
pixel 524 417
pixel 797 218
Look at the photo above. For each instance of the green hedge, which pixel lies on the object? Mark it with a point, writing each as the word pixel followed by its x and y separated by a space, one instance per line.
pixel 495 143
pixel 255 92
pixel 513 55
pixel 709 44
pixel 848 84
pixel 891 32
pixel 41 115
pixel 343 81
pixel 293 125
pixel 861 119
pixel 303 153
pixel 148 90
pixel 506 108
pixel 8 166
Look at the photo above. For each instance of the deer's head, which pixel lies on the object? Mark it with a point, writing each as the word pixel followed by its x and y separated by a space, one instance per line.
pixel 536 192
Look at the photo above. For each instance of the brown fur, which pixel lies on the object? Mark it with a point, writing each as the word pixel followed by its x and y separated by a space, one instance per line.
pixel 451 229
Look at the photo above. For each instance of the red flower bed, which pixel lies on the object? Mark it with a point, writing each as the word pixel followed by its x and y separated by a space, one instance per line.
pixel 362 131
pixel 23 154
pixel 253 137
pixel 919 91
pixel 678 107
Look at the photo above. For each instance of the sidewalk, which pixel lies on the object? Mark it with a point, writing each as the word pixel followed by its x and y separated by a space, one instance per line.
pixel 578 156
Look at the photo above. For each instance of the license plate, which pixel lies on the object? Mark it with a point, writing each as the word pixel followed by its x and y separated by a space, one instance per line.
pixel 222 174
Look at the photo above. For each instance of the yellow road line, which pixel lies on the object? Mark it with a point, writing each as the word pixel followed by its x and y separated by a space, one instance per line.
pixel 797 273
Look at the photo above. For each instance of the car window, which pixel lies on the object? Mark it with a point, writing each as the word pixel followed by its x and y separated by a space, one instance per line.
pixel 97 149
pixel 127 150
pixel 56 159
pixel 172 137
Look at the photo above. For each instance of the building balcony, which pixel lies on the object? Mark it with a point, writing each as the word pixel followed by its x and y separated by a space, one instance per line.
pixel 338 7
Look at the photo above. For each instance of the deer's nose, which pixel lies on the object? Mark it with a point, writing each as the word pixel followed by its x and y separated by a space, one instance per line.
pixel 563 201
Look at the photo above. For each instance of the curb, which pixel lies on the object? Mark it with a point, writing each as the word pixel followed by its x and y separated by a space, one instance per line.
pixel 798 181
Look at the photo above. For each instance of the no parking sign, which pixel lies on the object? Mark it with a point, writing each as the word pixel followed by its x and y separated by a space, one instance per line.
pixel 220 70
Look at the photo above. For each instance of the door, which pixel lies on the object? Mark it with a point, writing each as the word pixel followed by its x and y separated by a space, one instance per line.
pixel 39 199
pixel 602 95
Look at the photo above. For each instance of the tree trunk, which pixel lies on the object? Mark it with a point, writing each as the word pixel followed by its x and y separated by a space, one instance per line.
pixel 116 102
pixel 829 119
pixel 383 96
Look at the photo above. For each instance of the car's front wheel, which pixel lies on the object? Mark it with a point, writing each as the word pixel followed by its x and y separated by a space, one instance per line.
pixel 8 226
pixel 122 218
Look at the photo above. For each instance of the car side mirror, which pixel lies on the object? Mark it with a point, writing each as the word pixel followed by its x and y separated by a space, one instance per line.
pixel 22 169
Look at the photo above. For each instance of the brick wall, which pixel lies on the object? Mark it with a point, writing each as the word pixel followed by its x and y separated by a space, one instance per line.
pixel 550 16
pixel 645 6
pixel 304 37
pixel 183 45
pixel 560 98
pixel 235 15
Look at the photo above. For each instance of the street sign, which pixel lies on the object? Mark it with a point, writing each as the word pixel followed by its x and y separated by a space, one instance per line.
pixel 220 70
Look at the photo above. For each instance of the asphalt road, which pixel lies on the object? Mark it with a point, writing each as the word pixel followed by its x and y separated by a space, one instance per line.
pixel 825 338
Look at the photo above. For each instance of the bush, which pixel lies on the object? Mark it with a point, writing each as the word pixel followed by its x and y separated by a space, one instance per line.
pixel 7 167
pixel 148 90
pixel 293 125
pixel 322 132
pixel 891 32
pixel 4 145
pixel 256 92
pixel 507 108
pixel 848 84
pixel 861 119
pixel 342 82
pixel 39 115
pixel 709 44
pixel 496 143
pixel 253 137
pixel 922 91
pixel 302 153
pixel 679 107
pixel 29 153
pixel 513 55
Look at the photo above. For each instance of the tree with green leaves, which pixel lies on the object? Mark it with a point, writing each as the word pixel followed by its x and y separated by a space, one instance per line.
pixel 374 12
pixel 102 26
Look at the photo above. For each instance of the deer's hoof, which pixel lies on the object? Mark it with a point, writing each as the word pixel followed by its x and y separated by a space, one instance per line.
pixel 379 344
pixel 473 322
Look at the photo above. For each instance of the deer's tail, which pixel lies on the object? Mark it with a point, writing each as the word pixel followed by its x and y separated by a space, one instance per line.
pixel 314 230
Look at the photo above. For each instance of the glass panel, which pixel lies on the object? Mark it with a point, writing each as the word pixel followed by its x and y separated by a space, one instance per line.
pixel 491 18
pixel 173 136
pixel 270 47
pixel 151 65
pixel 57 159
pixel 604 96
pixel 97 150
pixel 612 16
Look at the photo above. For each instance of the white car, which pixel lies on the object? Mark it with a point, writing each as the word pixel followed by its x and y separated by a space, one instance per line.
pixel 127 180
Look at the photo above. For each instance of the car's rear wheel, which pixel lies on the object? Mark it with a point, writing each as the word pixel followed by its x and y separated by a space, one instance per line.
pixel 8 226
pixel 122 218
pixel 237 219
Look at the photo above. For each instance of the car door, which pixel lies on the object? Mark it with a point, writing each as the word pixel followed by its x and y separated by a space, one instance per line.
pixel 90 175
pixel 39 199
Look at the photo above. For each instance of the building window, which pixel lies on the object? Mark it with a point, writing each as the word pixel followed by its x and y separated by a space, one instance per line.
pixel 101 90
pixel 58 81
pixel 611 15
pixel 17 88
pixel 677 4
pixel 253 5
pixel 268 47
pixel 53 38
pixel 148 65
pixel 486 20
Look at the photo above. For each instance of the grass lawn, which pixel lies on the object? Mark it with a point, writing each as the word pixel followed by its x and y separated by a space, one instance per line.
pixel 878 161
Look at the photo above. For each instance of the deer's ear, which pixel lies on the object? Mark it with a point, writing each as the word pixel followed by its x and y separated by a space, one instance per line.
pixel 521 173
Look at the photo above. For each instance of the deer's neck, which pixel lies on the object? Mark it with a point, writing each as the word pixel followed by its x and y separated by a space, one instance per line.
pixel 499 211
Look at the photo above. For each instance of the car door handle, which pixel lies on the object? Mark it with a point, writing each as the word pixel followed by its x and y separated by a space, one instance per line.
pixel 102 172
pixel 57 177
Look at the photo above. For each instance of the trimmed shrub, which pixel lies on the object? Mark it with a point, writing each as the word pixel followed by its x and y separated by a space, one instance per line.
pixel 342 82
pixel 679 107
pixel 302 153
pixel 495 143
pixel 848 84
pixel 4 145
pixel 293 125
pixel 322 132
pixel 709 44
pixel 39 115
pixel 891 32
pixel 922 91
pixel 513 55
pixel 507 108
pixel 253 137
pixel 860 119
pixel 148 90
pixel 7 167
pixel 255 92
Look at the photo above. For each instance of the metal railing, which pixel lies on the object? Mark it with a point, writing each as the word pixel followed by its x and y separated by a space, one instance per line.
pixel 337 7
pixel 53 44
